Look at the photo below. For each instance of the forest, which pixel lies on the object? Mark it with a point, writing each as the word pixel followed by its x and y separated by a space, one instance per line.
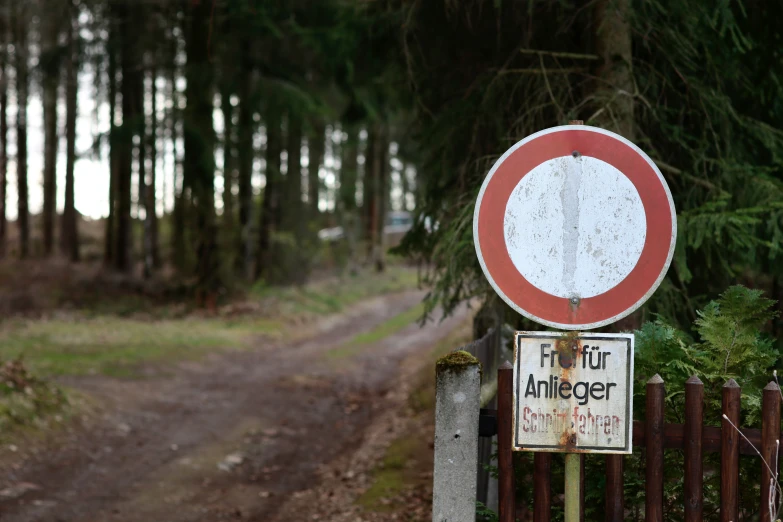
pixel 233 170
pixel 229 134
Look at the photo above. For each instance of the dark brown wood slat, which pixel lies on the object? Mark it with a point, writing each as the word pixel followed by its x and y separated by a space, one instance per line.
pixel 674 438
pixel 770 424
pixel 542 487
pixel 654 445
pixel 729 455
pixel 506 501
pixel 615 496
pixel 694 427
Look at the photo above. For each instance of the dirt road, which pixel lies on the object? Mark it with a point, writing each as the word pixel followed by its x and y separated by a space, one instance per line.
pixel 233 437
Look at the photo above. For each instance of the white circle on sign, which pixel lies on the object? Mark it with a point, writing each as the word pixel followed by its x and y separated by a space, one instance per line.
pixel 575 226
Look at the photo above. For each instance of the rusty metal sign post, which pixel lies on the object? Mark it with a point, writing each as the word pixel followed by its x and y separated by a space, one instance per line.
pixel 574 228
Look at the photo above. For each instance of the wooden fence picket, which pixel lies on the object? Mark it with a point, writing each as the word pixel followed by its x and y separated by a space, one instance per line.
pixel 654 445
pixel 694 464
pixel 615 496
pixel 770 438
pixel 506 492
pixel 729 453
pixel 542 487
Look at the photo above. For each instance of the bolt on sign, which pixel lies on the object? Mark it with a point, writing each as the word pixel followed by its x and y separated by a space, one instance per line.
pixel 573 393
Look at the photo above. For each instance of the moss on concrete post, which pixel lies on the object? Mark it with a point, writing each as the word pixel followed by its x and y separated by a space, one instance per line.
pixel 456 361
pixel 457 403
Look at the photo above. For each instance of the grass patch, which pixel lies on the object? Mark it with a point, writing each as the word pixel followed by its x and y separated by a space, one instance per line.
pixel 113 345
pixel 392 476
pixel 380 332
pixel 86 342
pixel 335 294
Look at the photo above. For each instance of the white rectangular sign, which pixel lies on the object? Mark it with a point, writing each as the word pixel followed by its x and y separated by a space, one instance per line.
pixel 573 392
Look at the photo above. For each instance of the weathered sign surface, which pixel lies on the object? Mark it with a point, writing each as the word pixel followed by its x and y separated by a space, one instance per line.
pixel 573 392
pixel 574 227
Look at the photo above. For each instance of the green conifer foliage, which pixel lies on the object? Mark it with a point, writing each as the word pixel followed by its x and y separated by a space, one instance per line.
pixel 707 108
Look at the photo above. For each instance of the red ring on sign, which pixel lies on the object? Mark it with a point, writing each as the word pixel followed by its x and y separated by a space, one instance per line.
pixel 621 299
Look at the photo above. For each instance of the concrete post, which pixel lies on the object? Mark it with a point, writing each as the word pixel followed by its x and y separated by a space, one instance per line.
pixel 458 383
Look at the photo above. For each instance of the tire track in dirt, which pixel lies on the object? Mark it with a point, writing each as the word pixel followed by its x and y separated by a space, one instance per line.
pixel 271 418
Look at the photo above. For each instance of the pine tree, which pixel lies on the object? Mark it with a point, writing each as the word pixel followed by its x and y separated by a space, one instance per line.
pixel 69 234
pixel 270 209
pixel 153 241
pixel 199 163
pixel 111 51
pixel 315 150
pixel 50 66
pixel 21 14
pixel 5 40
pixel 129 65
pixel 245 131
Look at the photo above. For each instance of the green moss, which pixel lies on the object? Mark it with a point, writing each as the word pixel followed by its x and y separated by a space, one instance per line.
pixel 391 476
pixel 456 362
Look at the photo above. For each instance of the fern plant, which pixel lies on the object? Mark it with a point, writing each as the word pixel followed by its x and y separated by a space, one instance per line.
pixel 728 343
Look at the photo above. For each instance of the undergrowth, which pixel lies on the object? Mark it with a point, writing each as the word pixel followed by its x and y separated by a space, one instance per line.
pixel 24 396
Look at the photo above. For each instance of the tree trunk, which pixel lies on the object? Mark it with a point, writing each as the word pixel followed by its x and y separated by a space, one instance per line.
pixel 4 134
pixel 142 201
pixel 128 65
pixel 292 260
pixel 382 196
pixel 109 237
pixel 199 163
pixel 615 88
pixel 228 162
pixel 152 186
pixel 228 224
pixel 178 186
pixel 270 207
pixel 404 187
pixel 368 187
pixel 22 84
pixel 292 203
pixel 245 157
pixel 50 67
pixel 349 173
pixel 69 239
pixel 315 159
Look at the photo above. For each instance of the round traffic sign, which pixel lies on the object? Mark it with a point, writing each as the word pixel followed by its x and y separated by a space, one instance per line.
pixel 574 227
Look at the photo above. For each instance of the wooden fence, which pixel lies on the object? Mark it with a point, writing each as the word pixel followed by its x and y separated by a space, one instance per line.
pixel 655 436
